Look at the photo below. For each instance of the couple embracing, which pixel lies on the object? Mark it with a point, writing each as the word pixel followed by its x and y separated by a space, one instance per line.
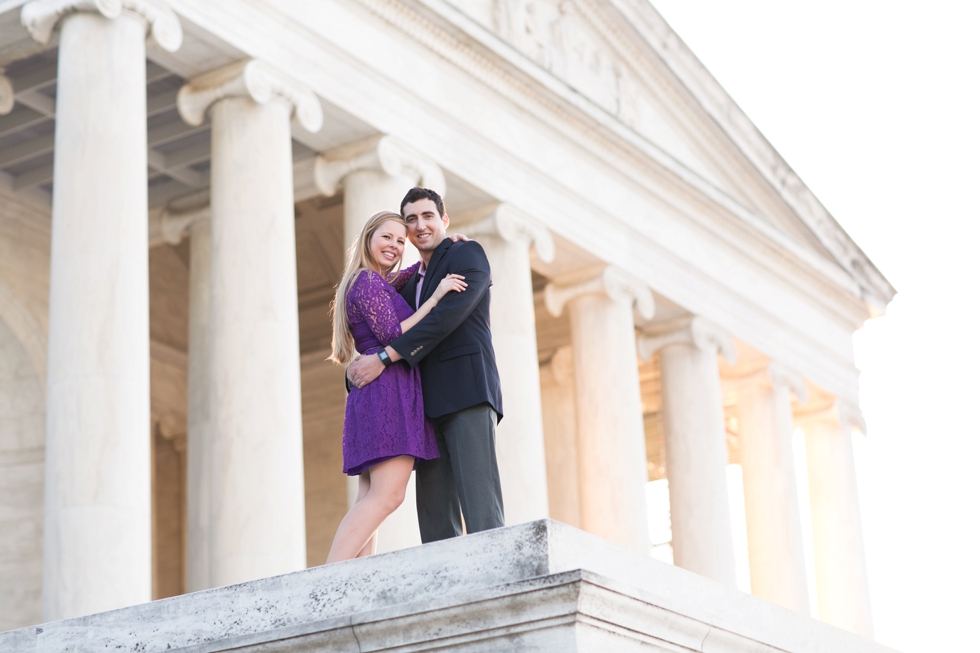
pixel 424 393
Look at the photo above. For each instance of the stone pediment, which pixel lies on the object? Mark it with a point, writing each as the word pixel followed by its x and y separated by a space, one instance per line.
pixel 624 58
pixel 558 36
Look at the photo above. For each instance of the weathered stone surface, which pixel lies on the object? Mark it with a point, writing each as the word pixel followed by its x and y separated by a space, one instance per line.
pixel 540 586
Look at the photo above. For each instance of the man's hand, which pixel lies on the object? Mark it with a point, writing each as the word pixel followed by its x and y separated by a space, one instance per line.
pixel 364 370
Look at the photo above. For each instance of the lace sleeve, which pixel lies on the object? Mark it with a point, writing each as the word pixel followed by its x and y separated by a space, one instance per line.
pixel 371 296
pixel 405 275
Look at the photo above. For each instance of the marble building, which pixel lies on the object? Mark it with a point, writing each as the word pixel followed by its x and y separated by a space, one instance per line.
pixel 179 181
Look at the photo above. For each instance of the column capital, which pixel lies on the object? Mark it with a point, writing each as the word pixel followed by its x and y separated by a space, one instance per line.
pixel 695 331
pixel 774 374
pixel 6 94
pixel 381 153
pixel 253 79
pixel 511 224
pixel 780 375
pixel 560 366
pixel 170 429
pixel 41 17
pixel 828 409
pixel 175 224
pixel 608 280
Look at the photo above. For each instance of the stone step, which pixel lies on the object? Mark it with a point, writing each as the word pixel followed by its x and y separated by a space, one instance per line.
pixel 540 586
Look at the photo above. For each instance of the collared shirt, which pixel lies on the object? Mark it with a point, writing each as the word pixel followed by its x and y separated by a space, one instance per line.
pixel 418 286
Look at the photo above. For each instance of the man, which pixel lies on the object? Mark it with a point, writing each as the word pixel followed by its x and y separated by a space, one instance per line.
pixel 460 385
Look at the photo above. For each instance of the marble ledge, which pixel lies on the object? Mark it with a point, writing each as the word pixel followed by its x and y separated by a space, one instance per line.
pixel 540 586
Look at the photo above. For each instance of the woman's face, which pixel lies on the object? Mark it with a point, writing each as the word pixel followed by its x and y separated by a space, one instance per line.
pixel 387 244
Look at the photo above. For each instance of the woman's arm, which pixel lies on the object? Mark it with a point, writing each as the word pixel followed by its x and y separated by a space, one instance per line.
pixel 369 297
pixel 371 308
pixel 405 275
pixel 452 283
pixel 469 260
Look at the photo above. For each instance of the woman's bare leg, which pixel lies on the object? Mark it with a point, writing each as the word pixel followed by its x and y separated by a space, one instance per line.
pixel 362 489
pixel 370 548
pixel 386 491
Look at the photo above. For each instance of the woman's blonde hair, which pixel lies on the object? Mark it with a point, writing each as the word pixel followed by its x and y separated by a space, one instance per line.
pixel 358 259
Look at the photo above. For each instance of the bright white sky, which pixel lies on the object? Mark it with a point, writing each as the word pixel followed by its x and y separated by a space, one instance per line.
pixel 876 105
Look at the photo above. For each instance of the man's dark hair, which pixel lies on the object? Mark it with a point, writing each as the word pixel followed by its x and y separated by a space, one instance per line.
pixel 419 193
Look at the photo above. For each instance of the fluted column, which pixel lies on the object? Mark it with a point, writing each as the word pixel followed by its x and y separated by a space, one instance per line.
pixel 560 439
pixel 256 517
pixel 694 438
pixel 838 543
pixel 197 224
pixel 374 175
pixel 507 236
pixel 97 551
pixel 611 444
pixel 772 510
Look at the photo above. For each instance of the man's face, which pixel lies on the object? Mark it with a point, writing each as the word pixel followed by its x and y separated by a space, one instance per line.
pixel 426 228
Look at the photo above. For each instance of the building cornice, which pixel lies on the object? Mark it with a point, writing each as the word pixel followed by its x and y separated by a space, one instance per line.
pixel 453 35
pixel 741 131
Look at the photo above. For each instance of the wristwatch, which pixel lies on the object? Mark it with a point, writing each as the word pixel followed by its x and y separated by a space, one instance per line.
pixel 385 358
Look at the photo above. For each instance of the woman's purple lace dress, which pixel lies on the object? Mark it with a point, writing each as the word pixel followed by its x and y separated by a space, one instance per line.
pixel 385 418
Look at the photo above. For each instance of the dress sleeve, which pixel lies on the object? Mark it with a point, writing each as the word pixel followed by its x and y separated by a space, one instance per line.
pixel 405 275
pixel 371 296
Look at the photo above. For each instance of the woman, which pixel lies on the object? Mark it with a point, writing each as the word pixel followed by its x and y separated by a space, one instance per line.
pixel 385 428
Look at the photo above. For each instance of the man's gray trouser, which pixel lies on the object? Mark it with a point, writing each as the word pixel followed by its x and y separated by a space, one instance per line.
pixel 464 477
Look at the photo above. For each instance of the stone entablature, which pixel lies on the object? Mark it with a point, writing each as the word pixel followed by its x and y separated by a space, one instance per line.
pixel 832 300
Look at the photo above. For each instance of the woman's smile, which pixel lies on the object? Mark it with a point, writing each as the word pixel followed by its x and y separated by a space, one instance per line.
pixel 388 244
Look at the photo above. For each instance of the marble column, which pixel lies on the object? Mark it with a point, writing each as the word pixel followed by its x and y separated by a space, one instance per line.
pixel 6 94
pixel 256 517
pixel 560 439
pixel 97 550
pixel 611 444
pixel 507 236
pixel 374 175
pixel 197 224
pixel 772 510
pixel 694 438
pixel 838 543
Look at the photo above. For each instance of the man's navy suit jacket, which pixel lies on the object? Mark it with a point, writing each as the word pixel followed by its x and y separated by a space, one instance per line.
pixel 452 344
